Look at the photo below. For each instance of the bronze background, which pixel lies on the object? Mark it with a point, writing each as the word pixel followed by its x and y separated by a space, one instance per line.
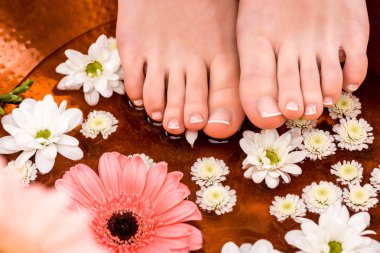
pixel 33 37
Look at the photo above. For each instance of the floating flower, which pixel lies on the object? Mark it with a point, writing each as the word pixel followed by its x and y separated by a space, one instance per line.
pixel 98 72
pixel 348 172
pixel 290 206
pixel 149 163
pixel 216 198
pixel 270 156
pixel 134 209
pixel 318 144
pixel 360 198
pixel 191 137
pixel 208 170
pixel 39 127
pixel 353 134
pixel 36 220
pixel 27 172
pixel 301 123
pixel 347 106
pixel 99 122
pixel 318 197
pixel 336 232
pixel 261 246
pixel 375 178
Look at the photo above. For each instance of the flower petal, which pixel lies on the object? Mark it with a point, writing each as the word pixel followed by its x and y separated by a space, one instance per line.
pixel 70 152
pixel 44 165
pixel 134 175
pixel 8 145
pixel 73 117
pixel 92 98
pixel 68 140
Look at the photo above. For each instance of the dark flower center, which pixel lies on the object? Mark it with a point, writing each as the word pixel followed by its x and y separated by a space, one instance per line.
pixel 123 225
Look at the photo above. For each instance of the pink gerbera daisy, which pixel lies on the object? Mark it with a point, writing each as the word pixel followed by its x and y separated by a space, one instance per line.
pixel 135 209
pixel 35 220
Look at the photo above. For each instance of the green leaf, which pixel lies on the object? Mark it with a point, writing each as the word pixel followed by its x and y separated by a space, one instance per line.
pixel 9 98
pixel 2 111
pixel 23 87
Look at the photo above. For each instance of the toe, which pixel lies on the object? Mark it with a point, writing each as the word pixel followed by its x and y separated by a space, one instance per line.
pixel 154 91
pixel 173 117
pixel 331 75
pixel 290 99
pixel 196 107
pixel 258 83
pixel 225 112
pixel 355 67
pixel 311 87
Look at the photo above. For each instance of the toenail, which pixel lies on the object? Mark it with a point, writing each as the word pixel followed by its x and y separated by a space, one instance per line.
pixel 311 109
pixel 138 103
pixel 353 87
pixel 267 106
pixel 157 116
pixel 196 118
pixel 173 124
pixel 291 106
pixel 221 116
pixel 328 101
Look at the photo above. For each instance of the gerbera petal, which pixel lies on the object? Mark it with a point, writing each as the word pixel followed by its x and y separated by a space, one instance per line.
pixel 174 231
pixel 171 183
pixel 169 200
pixel 70 152
pixel 154 180
pixel 178 244
pixel 134 176
pixel 110 173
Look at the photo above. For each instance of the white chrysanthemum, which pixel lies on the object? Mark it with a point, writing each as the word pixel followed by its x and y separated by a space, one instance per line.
pixel 98 72
pixel 360 198
pixel 318 197
pixel 353 134
pixel 318 144
pixel 375 178
pixel 39 127
pixel 208 170
pixel 149 163
pixel 26 173
pixel 290 206
pixel 261 246
pixel 301 123
pixel 270 156
pixel 348 172
pixel 348 106
pixel 336 232
pixel 99 122
pixel 216 198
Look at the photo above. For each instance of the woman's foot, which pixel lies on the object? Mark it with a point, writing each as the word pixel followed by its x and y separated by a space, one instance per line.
pixel 181 63
pixel 289 56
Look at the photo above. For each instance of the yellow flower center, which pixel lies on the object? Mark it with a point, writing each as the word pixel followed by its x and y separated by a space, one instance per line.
pixel 354 131
pixel 335 247
pixel 94 69
pixel 45 134
pixel 272 156
pixel 287 207
pixel 359 196
pixel 322 194
pixel 343 103
pixel 348 172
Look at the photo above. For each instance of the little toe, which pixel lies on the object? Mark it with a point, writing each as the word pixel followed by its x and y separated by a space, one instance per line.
pixel 225 111
pixel 173 116
pixel 290 98
pixel 196 105
pixel 154 92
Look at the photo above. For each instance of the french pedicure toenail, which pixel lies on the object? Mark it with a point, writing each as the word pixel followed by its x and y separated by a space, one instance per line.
pixel 267 107
pixel 311 109
pixel 157 116
pixel 328 101
pixel 221 116
pixel 173 124
pixel 196 118
pixel 352 87
pixel 292 106
pixel 138 102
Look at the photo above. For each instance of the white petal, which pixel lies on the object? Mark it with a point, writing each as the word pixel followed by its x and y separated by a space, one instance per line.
pixel 73 117
pixel 10 125
pixel 230 247
pixel 120 88
pixel 92 98
pixel 63 69
pixel 49 152
pixel 67 140
pixel 43 164
pixel 76 57
pixel 296 157
pixel 70 152
pixel 272 182
pixel 24 157
pixel 259 176
pixel 191 136
pixel 8 145
pixel 292 169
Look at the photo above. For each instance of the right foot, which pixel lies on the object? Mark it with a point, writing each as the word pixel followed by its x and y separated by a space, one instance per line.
pixel 188 51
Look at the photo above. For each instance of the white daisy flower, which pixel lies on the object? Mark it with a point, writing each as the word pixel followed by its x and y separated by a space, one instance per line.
pixel 318 197
pixel 318 144
pixel 208 170
pixel 99 122
pixel 375 178
pixel 98 72
pixel 149 163
pixel 271 157
pixel 301 123
pixel 353 134
pixel 216 198
pixel 360 198
pixel 261 246
pixel 27 172
pixel 290 206
pixel 40 127
pixel 348 106
pixel 336 232
pixel 348 172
